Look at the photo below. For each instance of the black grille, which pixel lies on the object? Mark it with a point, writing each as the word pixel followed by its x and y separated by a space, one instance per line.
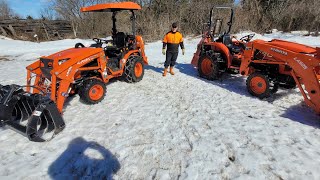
pixel 46 65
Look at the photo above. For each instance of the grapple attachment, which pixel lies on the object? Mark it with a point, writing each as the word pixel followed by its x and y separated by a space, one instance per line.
pixel 33 115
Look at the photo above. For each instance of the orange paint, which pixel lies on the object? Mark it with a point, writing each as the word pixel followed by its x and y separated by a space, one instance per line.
pixel 112 6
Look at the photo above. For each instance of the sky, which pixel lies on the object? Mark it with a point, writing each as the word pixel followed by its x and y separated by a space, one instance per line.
pixel 27 7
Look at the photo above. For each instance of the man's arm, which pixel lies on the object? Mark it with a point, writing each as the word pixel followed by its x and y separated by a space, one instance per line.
pixel 182 45
pixel 165 41
pixel 164 45
pixel 181 42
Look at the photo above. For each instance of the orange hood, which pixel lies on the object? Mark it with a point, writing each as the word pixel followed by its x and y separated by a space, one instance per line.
pixel 73 53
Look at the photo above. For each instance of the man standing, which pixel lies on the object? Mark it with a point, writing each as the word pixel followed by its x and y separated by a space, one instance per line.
pixel 172 40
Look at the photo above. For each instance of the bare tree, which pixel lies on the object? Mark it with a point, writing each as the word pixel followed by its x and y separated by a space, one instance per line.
pixel 156 16
pixel 286 15
pixel 84 23
pixel 5 11
pixel 48 12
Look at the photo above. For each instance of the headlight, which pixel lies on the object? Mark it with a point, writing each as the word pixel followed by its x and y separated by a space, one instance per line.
pixel 62 61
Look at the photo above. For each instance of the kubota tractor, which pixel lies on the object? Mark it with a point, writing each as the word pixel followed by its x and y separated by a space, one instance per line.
pixel 269 65
pixel 36 111
pixel 278 63
pixel 218 52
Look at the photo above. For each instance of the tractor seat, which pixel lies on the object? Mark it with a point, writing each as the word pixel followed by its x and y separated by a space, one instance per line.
pixel 110 48
pixel 120 40
pixel 236 49
pixel 226 40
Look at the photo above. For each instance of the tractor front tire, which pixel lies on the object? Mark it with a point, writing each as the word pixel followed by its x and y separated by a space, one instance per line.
pixel 134 69
pixel 258 85
pixel 93 91
pixel 208 68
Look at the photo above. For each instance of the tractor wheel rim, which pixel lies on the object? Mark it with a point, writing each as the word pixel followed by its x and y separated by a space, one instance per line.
pixel 96 92
pixel 138 69
pixel 206 67
pixel 258 85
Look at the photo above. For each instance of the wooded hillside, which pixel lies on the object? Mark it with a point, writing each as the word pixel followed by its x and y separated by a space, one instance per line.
pixel 157 15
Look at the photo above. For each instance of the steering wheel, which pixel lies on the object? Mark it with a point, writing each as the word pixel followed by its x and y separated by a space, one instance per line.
pixel 79 45
pixel 97 40
pixel 247 38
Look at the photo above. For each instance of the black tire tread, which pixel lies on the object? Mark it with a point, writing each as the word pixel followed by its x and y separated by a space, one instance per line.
pixel 84 90
pixel 129 74
pixel 215 73
pixel 268 91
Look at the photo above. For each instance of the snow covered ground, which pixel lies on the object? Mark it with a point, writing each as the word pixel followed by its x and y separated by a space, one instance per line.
pixel 177 127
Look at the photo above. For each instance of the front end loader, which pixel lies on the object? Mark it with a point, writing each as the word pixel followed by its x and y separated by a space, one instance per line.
pixel 268 64
pixel 35 109
pixel 277 63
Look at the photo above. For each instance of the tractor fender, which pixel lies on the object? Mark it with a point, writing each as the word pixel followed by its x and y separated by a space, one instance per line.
pixel 140 42
pixel 196 55
pixel 126 57
pixel 220 47
pixel 141 48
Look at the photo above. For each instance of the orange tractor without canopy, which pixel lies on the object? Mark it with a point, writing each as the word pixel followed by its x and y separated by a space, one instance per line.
pixel 268 64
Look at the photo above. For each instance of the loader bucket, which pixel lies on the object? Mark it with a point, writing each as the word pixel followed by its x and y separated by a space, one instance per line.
pixel 33 115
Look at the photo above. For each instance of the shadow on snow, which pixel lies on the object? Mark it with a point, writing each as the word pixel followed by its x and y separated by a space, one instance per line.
pixel 84 160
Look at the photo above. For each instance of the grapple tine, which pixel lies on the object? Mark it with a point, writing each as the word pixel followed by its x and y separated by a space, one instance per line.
pixel 49 122
pixel 16 115
pixel 27 107
pixel 31 105
pixel 7 104
pixel 44 120
pixel 56 118
pixel 24 114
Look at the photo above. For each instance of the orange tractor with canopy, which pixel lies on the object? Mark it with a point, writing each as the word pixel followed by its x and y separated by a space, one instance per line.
pixel 36 111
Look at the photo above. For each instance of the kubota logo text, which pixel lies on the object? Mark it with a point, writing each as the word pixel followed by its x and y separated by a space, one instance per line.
pixel 279 51
pixel 69 70
pixel 302 64
pixel 87 59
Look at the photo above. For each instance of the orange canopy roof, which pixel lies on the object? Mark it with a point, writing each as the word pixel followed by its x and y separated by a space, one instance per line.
pixel 112 7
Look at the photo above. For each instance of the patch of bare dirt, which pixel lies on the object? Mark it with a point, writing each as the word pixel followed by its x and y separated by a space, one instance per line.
pixel 4 58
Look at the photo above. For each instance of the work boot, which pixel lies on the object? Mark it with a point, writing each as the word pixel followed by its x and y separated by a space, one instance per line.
pixel 165 72
pixel 171 71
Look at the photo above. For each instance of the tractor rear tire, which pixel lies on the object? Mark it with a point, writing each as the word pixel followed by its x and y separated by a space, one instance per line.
pixel 258 85
pixel 208 68
pixel 134 69
pixel 93 91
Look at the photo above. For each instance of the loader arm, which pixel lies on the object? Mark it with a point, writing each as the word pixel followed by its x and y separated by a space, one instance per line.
pixel 303 60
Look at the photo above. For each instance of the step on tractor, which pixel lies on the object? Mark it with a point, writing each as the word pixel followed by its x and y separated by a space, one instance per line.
pixel 35 109
pixel 268 64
